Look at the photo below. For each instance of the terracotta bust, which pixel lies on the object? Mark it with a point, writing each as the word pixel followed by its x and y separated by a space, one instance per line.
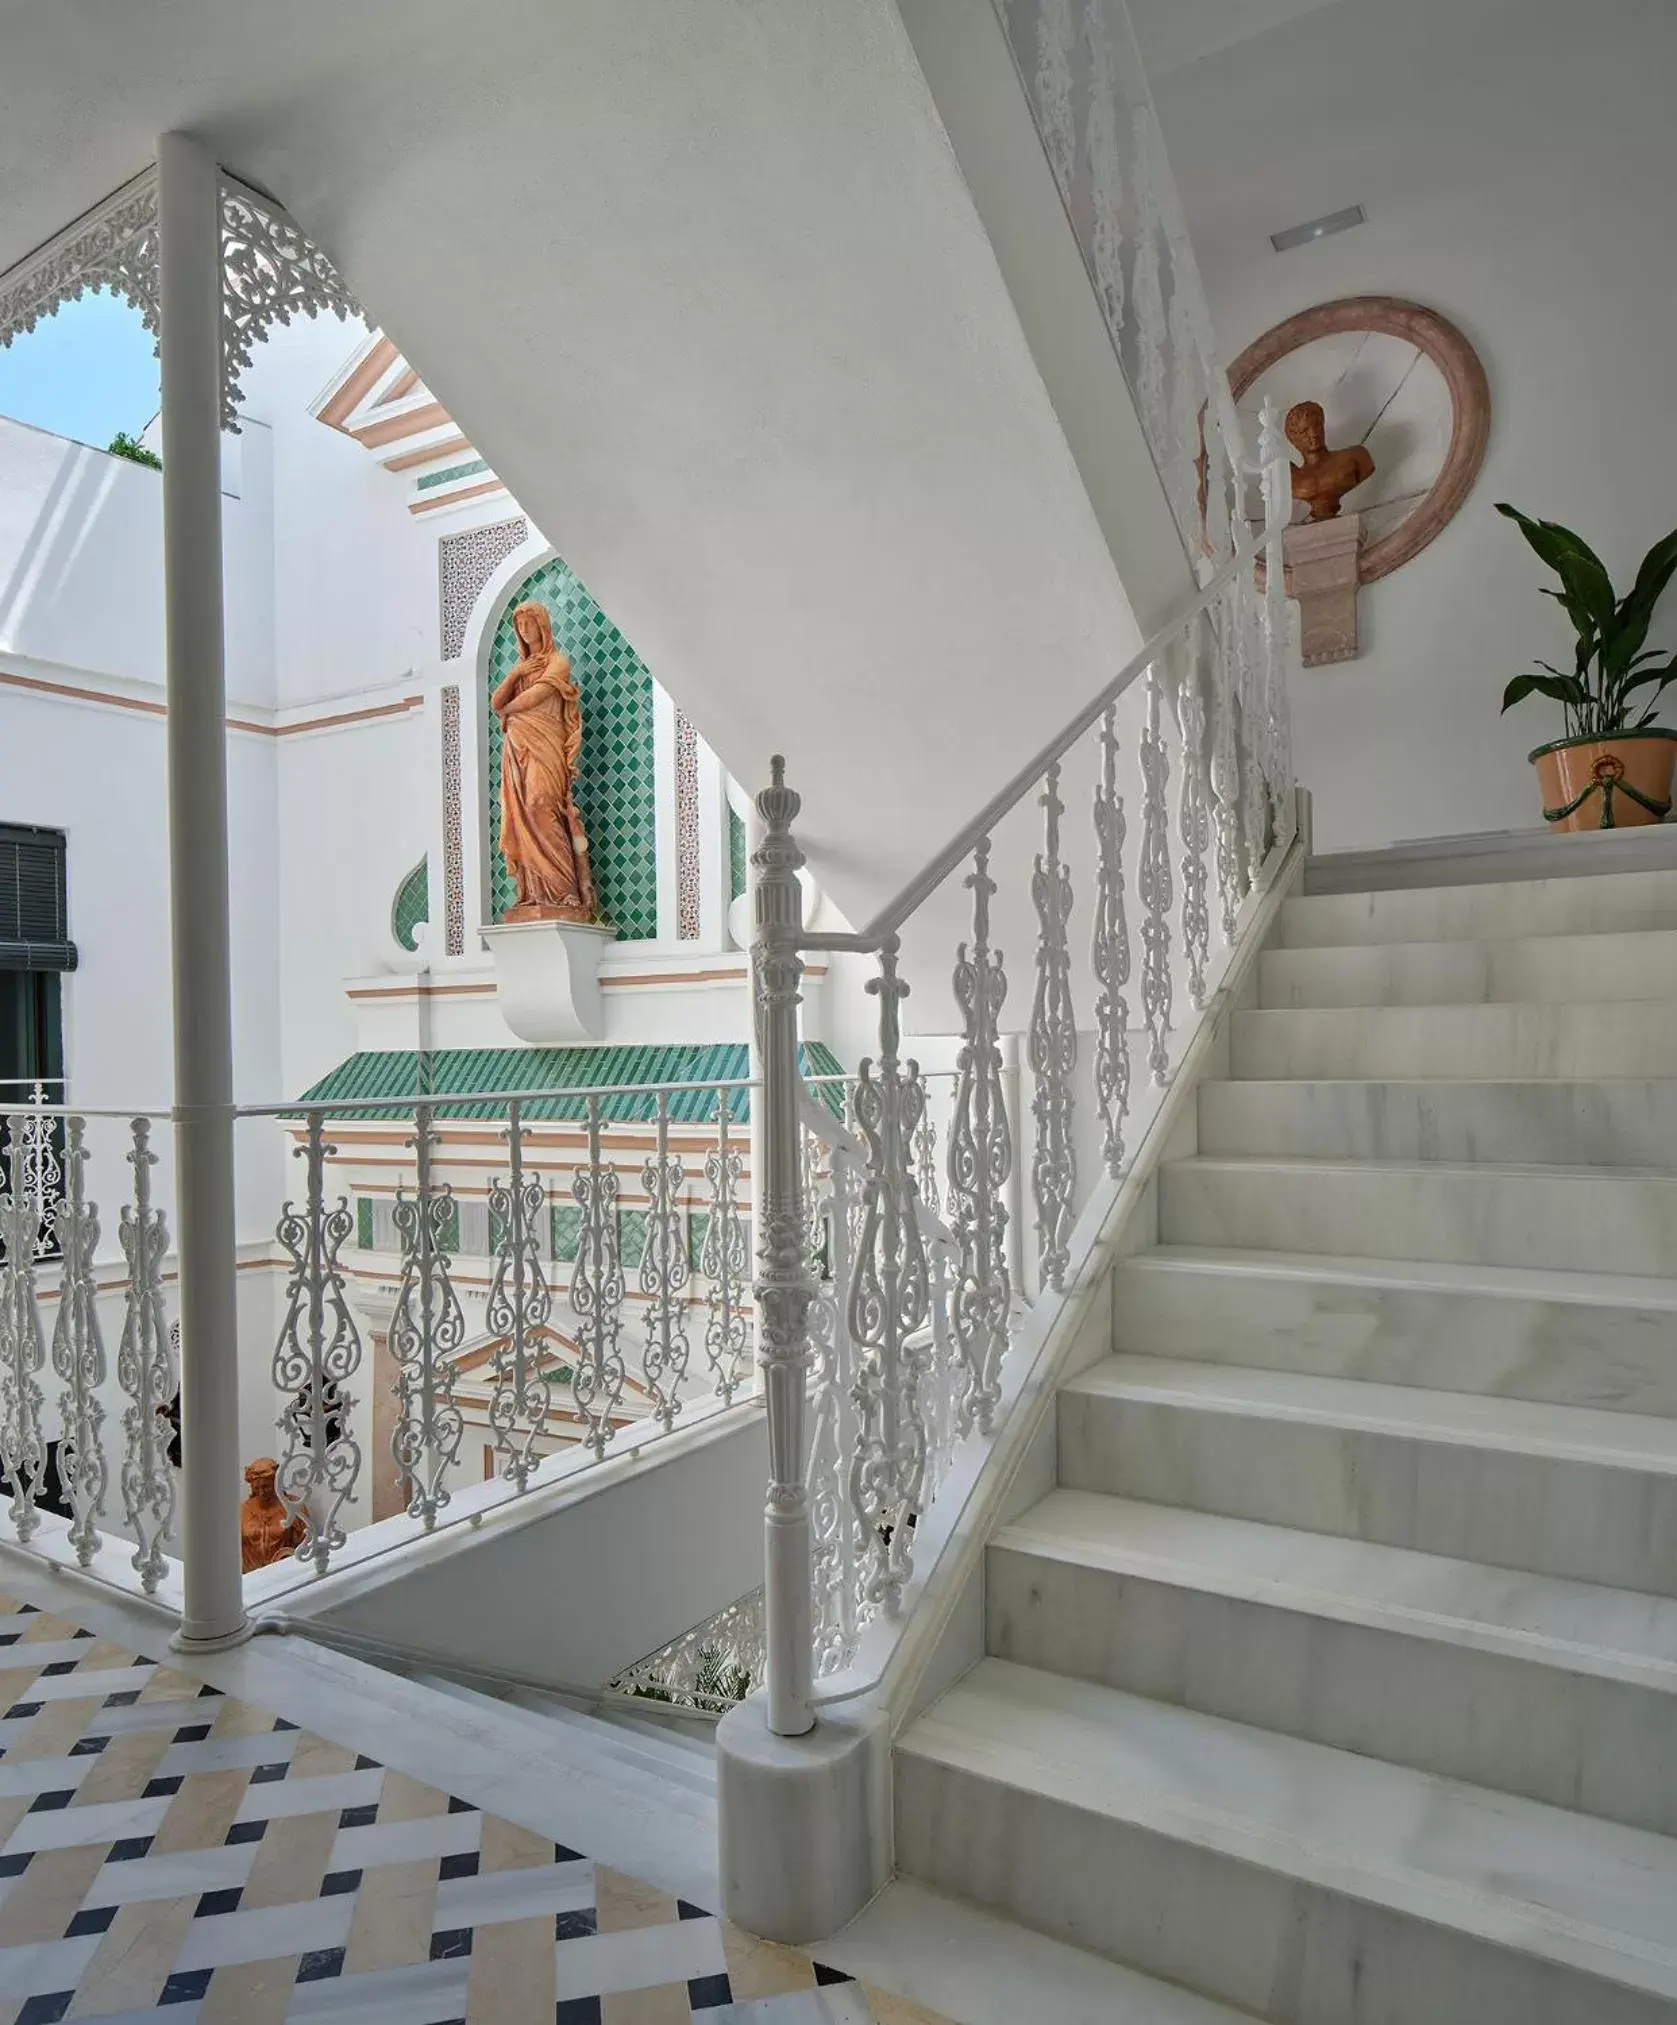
pixel 267 1531
pixel 542 838
pixel 1325 476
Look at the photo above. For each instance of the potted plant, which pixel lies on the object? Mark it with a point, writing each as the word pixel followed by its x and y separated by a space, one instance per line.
pixel 1613 768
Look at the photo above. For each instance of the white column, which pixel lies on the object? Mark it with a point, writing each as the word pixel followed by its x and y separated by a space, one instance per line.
pixel 189 213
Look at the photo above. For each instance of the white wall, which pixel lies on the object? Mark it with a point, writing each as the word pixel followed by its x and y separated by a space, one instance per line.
pixel 1514 160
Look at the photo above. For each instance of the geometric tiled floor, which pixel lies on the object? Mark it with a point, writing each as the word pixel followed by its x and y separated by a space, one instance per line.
pixel 171 1854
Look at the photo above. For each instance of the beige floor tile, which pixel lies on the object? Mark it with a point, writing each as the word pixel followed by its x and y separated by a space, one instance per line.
pixel 395 1910
pixel 506 1846
pixel 250 1993
pixel 314 1758
pixel 202 1811
pixel 889 2010
pixel 167 1683
pixel 11 1813
pixel 104 1652
pixel 124 1767
pixel 49 1894
pixel 234 1718
pixel 291 1860
pixel 621 1903
pixel 512 1974
pixel 404 1799
pixel 665 2004
pixel 44 1625
pixel 134 1959
pixel 54 1730
pixel 763 1968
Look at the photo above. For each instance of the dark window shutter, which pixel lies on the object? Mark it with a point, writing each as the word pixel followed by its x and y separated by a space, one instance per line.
pixel 34 911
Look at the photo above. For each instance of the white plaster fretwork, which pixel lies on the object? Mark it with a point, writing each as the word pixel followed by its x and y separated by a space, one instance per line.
pixel 112 246
pixel 454 850
pixel 270 273
pixel 687 827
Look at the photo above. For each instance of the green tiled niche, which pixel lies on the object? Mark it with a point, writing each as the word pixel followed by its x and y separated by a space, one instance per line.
pixel 615 791
pixel 736 855
pixel 411 906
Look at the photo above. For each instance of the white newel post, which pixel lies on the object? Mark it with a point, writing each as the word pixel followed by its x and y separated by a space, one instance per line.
pixel 784 1286
pixel 189 216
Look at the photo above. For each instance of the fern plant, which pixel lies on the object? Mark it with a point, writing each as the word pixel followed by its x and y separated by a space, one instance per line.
pixel 1615 674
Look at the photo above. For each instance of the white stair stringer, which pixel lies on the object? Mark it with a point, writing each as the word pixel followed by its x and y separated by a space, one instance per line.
pixel 1337 1678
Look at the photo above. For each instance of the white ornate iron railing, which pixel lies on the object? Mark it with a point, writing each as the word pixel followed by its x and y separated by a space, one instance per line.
pixel 906 1330
pixel 709 1668
pixel 554 1278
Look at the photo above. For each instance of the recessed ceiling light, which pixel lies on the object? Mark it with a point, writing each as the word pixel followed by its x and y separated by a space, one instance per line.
pixel 1318 228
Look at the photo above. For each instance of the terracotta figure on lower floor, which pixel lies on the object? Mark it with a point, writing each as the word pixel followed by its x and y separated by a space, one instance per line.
pixel 267 1531
pixel 542 838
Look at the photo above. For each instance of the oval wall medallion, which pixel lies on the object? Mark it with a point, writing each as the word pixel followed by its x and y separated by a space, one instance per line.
pixel 1398 378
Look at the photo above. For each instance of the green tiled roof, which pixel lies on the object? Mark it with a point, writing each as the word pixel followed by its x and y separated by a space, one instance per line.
pixel 547 1073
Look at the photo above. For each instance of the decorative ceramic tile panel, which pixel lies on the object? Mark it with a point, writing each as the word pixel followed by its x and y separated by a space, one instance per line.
pixel 737 868
pixel 686 828
pixel 412 905
pixel 615 791
pixel 364 1222
pixel 465 563
pixel 454 849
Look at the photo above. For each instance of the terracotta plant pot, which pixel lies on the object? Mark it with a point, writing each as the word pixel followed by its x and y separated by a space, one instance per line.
pixel 1609 783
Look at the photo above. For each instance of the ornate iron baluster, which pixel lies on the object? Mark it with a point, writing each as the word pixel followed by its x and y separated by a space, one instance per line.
pixel 147 1370
pixel 1053 1046
pixel 722 1259
pixel 1254 788
pixel 664 1276
pixel 22 1348
pixel 43 1172
pixel 520 1301
pixel 980 1163
pixel 1053 87
pixel 1194 823
pixel 1225 758
pixel 597 1293
pixel 837 1542
pixel 890 1303
pixel 1153 884
pixel 318 1353
pixel 925 1165
pixel 1278 506
pixel 426 1331
pixel 78 1352
pixel 1106 173
pixel 1111 953
pixel 1147 292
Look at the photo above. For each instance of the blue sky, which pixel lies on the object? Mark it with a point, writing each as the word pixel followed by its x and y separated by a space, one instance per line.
pixel 86 372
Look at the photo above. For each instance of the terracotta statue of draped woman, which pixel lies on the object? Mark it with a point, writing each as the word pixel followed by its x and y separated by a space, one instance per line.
pixel 542 838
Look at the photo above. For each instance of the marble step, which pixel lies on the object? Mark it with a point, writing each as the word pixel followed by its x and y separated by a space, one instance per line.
pixel 1561 1691
pixel 1307 1884
pixel 1552 968
pixel 1570 1339
pixel 1555 1490
pixel 1619 1037
pixel 1486 855
pixel 1612 903
pixel 1613 1121
pixel 1567 1219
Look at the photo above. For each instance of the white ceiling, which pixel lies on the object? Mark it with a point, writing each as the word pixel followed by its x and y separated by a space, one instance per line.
pixel 704 284
pixel 1175 33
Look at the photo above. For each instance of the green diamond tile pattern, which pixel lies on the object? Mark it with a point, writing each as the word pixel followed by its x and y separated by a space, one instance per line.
pixel 615 789
pixel 412 905
pixel 387 1081
pixel 698 1223
pixel 567 1230
pixel 364 1223
pixel 631 1236
pixel 736 855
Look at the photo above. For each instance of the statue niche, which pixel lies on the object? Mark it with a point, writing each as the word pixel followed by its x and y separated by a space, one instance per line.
pixel 542 837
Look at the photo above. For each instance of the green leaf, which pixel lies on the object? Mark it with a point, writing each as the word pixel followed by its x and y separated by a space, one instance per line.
pixel 1655 573
pixel 1661 676
pixel 1563 688
pixel 1587 588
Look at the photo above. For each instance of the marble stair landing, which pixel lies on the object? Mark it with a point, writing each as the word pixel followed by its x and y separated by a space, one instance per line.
pixel 1337 1678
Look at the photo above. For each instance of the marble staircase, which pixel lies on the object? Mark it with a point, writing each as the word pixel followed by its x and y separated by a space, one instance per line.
pixel 1336 1680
